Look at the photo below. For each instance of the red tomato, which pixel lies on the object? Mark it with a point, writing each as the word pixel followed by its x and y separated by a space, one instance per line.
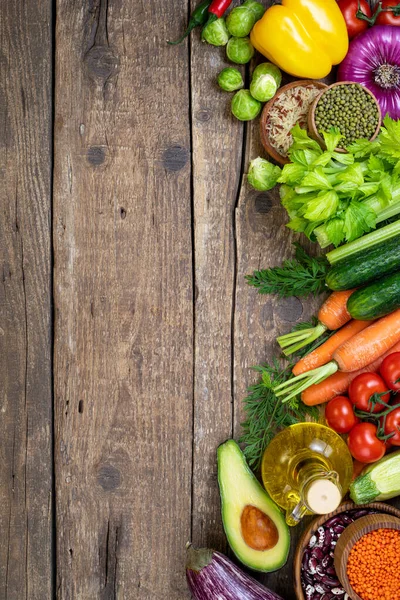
pixel 349 10
pixel 387 17
pixel 393 425
pixel 363 387
pixel 339 414
pixel 364 445
pixel 390 371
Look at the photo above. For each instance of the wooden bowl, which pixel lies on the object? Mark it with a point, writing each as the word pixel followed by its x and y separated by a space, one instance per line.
pixel 350 536
pixel 266 110
pixel 311 115
pixel 305 538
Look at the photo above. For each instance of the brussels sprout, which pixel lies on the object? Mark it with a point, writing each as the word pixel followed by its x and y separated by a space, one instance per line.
pixel 263 88
pixel 240 21
pixel 268 68
pixel 230 79
pixel 244 106
pixel 216 33
pixel 239 50
pixel 257 8
pixel 262 174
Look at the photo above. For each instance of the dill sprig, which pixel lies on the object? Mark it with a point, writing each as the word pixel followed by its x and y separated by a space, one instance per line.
pixel 266 415
pixel 300 276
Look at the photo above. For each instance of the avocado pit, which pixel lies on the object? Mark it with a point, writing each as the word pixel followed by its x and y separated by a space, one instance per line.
pixel 258 530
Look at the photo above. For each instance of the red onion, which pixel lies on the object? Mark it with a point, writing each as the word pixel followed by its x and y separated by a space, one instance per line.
pixel 373 60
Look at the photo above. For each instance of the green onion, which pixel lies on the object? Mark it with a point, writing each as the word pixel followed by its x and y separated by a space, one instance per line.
pixel 367 241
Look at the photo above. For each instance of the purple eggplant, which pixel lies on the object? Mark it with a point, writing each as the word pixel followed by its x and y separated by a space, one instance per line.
pixel 212 575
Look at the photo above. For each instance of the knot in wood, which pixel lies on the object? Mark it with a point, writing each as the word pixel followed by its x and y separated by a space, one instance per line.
pixel 175 158
pixel 262 203
pixel 96 155
pixel 101 63
pixel 109 477
pixel 289 309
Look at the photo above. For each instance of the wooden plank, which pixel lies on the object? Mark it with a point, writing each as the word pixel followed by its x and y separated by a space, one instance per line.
pixel 217 152
pixel 123 301
pixel 25 301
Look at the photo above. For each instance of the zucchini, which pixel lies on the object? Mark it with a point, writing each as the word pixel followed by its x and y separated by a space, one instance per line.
pixel 376 300
pixel 365 266
pixel 379 481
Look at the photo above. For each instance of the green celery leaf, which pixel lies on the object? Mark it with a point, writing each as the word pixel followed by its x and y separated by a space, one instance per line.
pixel 344 159
pixel 352 174
pixel 292 173
pixel 304 156
pixel 297 224
pixel 376 164
pixel 369 187
pixel 358 220
pixel 389 138
pixel 332 138
pixel 301 139
pixel 334 231
pixel 316 179
pixel 309 230
pixel 386 186
pixel 363 147
pixel 323 206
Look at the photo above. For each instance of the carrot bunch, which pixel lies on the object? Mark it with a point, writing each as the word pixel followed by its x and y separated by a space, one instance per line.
pixel 332 315
pixel 352 348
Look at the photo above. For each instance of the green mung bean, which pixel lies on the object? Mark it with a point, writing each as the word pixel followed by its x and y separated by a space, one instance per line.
pixel 350 108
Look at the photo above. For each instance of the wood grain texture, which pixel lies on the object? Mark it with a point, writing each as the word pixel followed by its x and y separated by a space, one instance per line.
pixel 123 301
pixel 25 300
pixel 217 152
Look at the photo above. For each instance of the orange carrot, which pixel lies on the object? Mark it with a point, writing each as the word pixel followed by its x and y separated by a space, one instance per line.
pixel 339 382
pixel 323 354
pixel 358 352
pixel 368 345
pixel 333 313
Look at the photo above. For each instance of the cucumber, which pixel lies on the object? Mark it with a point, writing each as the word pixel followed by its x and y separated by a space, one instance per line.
pixel 365 266
pixel 377 299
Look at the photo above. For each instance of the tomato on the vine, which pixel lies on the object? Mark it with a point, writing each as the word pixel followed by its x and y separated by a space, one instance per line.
pixel 387 17
pixel 349 10
pixel 392 425
pixel 390 371
pixel 363 387
pixel 364 444
pixel 339 414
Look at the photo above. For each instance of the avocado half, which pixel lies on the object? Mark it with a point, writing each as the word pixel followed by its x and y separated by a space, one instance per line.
pixel 251 519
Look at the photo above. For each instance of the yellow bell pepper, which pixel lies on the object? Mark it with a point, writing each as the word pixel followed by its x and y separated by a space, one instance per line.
pixel 305 38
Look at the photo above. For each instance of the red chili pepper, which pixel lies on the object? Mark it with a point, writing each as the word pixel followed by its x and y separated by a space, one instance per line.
pixel 217 9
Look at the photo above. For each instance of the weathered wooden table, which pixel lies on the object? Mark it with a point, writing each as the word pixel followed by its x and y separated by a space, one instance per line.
pixel 127 331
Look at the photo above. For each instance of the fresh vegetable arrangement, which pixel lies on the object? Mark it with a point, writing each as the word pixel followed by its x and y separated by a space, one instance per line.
pixel 337 377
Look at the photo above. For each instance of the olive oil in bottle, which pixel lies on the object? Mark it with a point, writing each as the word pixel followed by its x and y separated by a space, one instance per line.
pixel 307 469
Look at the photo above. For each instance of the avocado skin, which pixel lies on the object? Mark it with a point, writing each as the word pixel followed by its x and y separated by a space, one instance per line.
pixel 239 488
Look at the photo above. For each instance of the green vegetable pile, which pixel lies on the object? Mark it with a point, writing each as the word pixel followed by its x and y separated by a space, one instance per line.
pixel 333 197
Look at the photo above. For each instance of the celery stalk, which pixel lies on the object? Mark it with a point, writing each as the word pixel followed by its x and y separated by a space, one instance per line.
pixel 367 241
